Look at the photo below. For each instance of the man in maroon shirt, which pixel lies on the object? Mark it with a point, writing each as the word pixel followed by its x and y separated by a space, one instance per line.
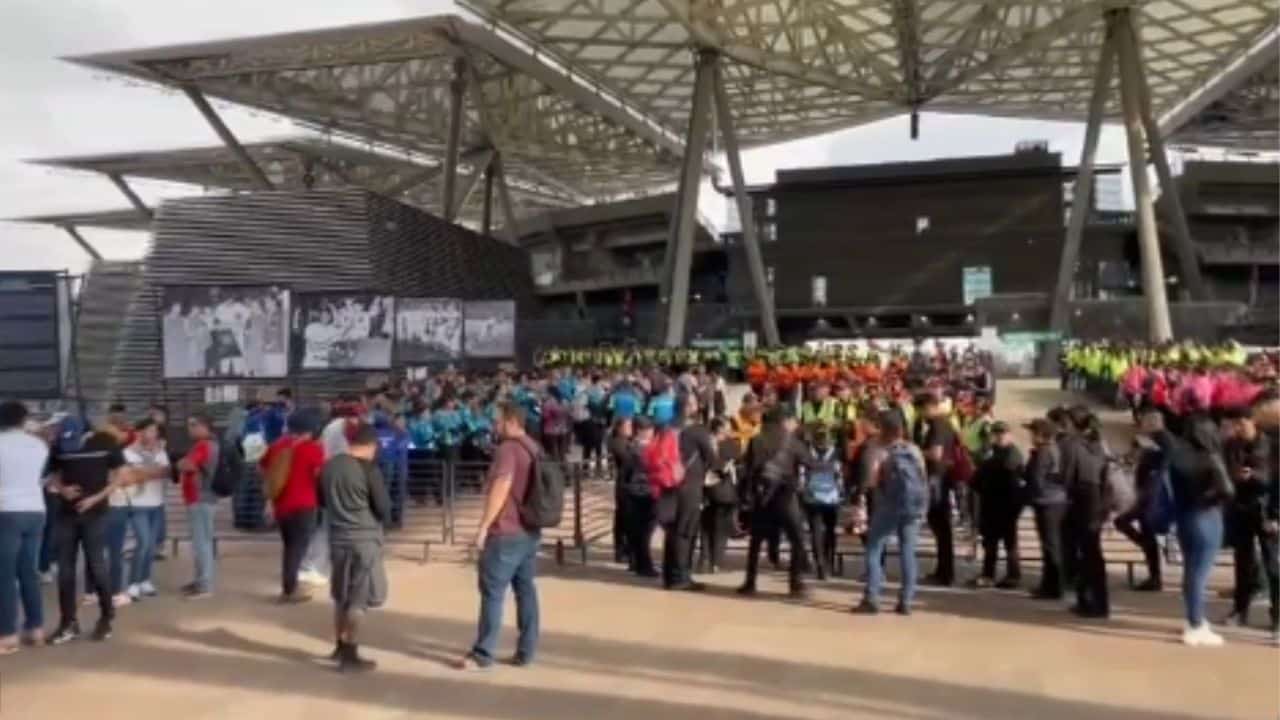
pixel 508 550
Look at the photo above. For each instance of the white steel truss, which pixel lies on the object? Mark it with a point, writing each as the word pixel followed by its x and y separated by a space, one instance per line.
pixel 795 68
pixel 303 162
pixel 390 83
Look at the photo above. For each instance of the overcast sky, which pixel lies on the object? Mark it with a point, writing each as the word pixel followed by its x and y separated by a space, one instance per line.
pixel 53 108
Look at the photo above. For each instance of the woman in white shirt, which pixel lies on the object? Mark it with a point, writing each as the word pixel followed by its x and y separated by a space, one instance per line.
pixel 150 463
pixel 22 464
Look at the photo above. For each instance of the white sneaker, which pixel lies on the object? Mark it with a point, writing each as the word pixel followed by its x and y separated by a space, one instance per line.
pixel 312 577
pixel 89 599
pixel 135 592
pixel 147 588
pixel 120 600
pixel 1202 636
pixel 48 578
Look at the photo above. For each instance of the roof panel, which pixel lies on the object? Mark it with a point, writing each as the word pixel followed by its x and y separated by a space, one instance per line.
pixel 390 83
pixel 301 162
pixel 869 58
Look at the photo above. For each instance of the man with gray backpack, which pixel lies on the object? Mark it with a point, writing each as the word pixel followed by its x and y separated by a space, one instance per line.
pixel 898 479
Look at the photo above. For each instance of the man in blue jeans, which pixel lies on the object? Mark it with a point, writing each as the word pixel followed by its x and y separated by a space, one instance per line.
pixel 508 550
pixel 898 477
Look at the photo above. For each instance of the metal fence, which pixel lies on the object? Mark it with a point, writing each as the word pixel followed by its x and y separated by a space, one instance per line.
pixel 434 501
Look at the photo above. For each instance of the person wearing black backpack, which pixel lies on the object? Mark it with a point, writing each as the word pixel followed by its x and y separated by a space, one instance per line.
pixel 773 463
pixel 698 456
pixel 507 544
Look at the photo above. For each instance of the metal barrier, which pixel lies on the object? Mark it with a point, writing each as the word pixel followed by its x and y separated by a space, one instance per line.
pixel 434 500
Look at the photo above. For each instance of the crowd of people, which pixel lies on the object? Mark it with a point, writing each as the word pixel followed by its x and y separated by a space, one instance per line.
pixel 867 444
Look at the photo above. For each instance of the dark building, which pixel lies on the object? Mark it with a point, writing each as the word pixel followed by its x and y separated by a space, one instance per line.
pixel 905 247
pixel 598 270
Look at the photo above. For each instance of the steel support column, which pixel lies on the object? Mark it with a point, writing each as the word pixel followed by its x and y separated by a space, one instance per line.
pixel 84 244
pixel 1159 325
pixel 1082 197
pixel 130 195
pixel 509 226
pixel 750 241
pixel 469 184
pixel 219 127
pixel 1188 260
pixel 486 217
pixel 684 221
pixel 457 93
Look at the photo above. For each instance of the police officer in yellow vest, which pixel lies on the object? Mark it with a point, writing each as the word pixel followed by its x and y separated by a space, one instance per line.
pixel 820 409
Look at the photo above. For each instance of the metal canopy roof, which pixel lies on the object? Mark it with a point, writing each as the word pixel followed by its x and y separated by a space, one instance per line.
pixel 289 162
pixel 798 68
pixel 120 219
pixel 390 83
pixel 1238 109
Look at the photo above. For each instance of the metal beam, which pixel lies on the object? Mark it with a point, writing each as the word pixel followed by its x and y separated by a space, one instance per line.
pixel 1082 197
pixel 1262 54
pixel 509 226
pixel 755 261
pixel 1159 324
pixel 684 221
pixel 84 244
pixel 1034 41
pixel 457 93
pixel 469 184
pixel 131 196
pixel 906 22
pixel 486 214
pixel 219 127
pixel 1184 245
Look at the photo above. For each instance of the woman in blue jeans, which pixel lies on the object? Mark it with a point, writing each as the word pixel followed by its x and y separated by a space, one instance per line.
pixel 1201 487
pixel 22 462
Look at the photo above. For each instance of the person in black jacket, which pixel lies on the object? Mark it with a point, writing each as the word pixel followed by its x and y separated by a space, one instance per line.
pixel 698 454
pixel 1083 462
pixel 1149 473
pixel 1048 497
pixel 640 518
pixel 1266 416
pixel 999 484
pixel 773 463
pixel 1248 457
pixel 619 445
pixel 720 498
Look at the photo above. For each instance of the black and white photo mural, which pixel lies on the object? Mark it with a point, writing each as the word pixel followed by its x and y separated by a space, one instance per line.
pixel 490 328
pixel 344 331
pixel 212 331
pixel 428 330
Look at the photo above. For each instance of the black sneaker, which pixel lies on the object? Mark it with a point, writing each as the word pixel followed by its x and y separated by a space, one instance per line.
pixel 65 634
pixel 351 662
pixel 747 590
pixel 866 608
pixel 102 631
pixel 1009 584
pixel 903 609
pixel 1149 586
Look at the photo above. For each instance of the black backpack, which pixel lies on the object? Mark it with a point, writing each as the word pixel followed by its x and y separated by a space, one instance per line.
pixel 228 470
pixel 543 503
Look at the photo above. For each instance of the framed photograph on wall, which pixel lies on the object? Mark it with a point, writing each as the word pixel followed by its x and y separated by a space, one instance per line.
pixel 489 330
pixel 428 330
pixel 344 330
pixel 212 331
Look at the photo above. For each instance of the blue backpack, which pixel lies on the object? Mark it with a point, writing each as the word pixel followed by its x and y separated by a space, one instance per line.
pixel 822 483
pixel 903 485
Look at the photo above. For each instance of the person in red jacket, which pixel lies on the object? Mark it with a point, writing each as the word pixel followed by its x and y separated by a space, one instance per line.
pixel 295 505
